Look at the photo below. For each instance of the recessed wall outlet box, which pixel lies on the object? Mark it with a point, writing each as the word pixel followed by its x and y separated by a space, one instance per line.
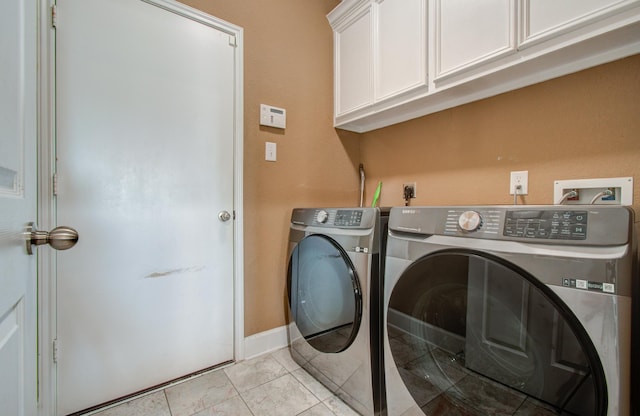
pixel 600 191
pixel 273 116
pixel 519 182
pixel 409 190
pixel 270 152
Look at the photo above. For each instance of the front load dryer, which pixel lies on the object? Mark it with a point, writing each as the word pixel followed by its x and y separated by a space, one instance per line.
pixel 334 285
pixel 509 310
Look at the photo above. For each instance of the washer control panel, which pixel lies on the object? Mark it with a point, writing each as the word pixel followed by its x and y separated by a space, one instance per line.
pixel 557 225
pixel 537 224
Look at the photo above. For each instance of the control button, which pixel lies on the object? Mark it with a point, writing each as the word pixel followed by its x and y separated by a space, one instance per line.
pixel 322 216
pixel 470 221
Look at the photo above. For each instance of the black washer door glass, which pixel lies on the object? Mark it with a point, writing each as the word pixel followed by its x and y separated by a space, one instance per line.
pixel 473 335
pixel 324 294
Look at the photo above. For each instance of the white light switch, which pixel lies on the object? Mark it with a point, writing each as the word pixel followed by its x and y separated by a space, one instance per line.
pixel 270 152
pixel 273 116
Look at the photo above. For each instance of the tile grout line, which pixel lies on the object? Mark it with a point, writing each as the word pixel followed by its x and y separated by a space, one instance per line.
pixel 240 395
pixel 166 399
pixel 288 373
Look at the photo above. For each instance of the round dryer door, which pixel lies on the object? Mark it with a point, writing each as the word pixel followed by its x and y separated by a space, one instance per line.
pixel 325 299
pixel 470 333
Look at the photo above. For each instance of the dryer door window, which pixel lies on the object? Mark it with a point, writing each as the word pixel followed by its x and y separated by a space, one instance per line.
pixel 325 298
pixel 472 333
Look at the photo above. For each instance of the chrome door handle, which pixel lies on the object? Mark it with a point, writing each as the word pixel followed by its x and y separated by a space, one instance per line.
pixel 224 216
pixel 60 238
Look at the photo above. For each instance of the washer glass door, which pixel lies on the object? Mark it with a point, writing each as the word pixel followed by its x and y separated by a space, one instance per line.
pixel 473 334
pixel 325 298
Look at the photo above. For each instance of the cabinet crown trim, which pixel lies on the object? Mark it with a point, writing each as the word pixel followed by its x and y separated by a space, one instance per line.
pixel 345 10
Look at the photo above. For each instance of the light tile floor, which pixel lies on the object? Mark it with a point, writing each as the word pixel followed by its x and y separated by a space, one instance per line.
pixel 270 385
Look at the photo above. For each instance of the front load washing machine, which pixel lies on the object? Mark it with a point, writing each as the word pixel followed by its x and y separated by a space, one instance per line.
pixel 509 310
pixel 336 260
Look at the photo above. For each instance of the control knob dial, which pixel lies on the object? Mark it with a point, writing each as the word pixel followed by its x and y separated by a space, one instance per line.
pixel 322 216
pixel 470 221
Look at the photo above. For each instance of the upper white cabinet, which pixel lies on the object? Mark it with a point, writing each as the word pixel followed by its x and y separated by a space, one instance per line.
pixel 401 53
pixel 354 62
pixel 380 51
pixel 400 59
pixel 470 33
pixel 542 19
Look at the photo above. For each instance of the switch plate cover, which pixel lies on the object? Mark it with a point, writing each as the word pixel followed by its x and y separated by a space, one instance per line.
pixel 270 152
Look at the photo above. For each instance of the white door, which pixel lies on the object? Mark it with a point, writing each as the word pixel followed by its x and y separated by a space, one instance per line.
pixel 18 78
pixel 145 151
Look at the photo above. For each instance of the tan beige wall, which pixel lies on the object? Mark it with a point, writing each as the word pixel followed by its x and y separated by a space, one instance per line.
pixel 584 125
pixel 288 55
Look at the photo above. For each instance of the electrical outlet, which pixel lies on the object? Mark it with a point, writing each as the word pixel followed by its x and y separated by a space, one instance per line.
pixel 409 190
pixel 519 180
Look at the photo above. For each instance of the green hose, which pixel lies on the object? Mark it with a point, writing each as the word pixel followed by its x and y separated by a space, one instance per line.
pixel 376 195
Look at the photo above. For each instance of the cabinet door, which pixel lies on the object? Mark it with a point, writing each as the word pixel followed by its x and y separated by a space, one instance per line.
pixel 472 32
pixel 354 64
pixel 542 19
pixel 402 47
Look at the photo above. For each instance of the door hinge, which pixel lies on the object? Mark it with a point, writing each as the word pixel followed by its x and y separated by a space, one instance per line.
pixel 54 16
pixel 55 351
pixel 55 184
pixel 232 40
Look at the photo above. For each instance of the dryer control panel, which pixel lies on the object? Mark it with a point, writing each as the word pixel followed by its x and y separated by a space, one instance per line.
pixel 338 217
pixel 352 218
pixel 348 218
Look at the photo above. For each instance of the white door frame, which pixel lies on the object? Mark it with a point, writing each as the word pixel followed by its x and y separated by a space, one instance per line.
pixel 46 207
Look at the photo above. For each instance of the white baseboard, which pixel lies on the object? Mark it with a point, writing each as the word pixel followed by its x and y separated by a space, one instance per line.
pixel 264 342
